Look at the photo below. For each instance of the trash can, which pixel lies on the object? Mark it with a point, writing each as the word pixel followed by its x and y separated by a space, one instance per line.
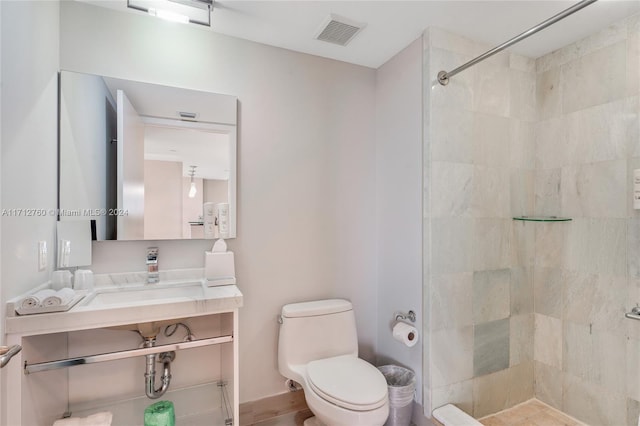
pixel 401 384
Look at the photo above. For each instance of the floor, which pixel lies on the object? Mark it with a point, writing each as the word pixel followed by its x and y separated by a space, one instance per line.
pixel 530 413
pixel 291 419
pixel 287 409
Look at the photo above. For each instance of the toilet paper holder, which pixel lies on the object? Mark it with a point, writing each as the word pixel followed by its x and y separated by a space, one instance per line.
pixel 411 316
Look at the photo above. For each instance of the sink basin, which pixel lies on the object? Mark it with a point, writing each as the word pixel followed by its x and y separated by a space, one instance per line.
pixel 148 293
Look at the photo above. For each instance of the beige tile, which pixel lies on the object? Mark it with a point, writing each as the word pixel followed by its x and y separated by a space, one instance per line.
pixel 564 418
pixel 451 300
pixel 594 79
pixel 520 383
pixel 459 92
pixel 550 244
pixel 548 384
pixel 546 419
pixel 492 89
pixel 491 243
pixel 452 135
pixel 548 341
pixel 491 347
pixel 491 295
pixel 527 409
pixel 521 339
pixel 522 195
pixel 451 236
pixel 525 422
pixel 491 192
pixel 491 140
pixel 534 403
pixel 452 356
pixel 547 192
pixel 521 291
pixel 548 96
pixel 550 144
pixel 452 42
pixel 451 189
pixel 592 404
pixel 522 63
pixel 490 393
pixel 494 421
pixel 517 414
pixel 460 394
pixel 522 143
pixel 548 290
pixel 523 95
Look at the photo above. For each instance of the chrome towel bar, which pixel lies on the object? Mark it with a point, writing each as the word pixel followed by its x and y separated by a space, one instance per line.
pixel 112 356
pixel 444 76
pixel 634 314
pixel 8 353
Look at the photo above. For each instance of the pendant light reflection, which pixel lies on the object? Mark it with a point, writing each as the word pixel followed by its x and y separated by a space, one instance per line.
pixel 192 188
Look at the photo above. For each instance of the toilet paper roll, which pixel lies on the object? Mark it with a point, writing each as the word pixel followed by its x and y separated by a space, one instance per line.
pixel 405 333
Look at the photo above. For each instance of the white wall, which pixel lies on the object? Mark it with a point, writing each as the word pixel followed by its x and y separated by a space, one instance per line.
pixel 163 199
pixel 399 202
pixel 215 191
pixel 29 59
pixel 306 169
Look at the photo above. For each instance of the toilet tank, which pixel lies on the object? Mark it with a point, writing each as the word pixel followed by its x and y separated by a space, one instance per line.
pixel 315 330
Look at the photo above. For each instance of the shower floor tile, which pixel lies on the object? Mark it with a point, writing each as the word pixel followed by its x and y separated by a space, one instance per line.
pixel 530 413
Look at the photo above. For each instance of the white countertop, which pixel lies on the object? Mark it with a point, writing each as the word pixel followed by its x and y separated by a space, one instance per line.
pixel 86 315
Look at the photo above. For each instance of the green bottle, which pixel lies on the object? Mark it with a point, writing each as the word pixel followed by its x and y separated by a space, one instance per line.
pixel 160 414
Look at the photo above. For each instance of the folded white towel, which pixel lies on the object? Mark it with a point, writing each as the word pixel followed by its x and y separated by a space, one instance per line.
pixel 60 297
pixel 99 419
pixel 37 298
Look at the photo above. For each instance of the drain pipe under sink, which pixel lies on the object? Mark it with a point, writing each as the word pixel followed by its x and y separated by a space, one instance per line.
pixel 150 374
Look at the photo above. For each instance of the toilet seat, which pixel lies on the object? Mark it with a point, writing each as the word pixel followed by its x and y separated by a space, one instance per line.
pixel 349 382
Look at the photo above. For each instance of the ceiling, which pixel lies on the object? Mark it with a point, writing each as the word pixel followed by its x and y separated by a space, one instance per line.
pixel 392 25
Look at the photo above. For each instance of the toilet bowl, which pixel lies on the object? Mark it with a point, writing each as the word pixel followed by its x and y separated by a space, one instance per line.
pixel 318 348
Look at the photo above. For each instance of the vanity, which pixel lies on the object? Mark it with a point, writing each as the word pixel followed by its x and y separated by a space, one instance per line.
pixel 91 358
pixel 136 162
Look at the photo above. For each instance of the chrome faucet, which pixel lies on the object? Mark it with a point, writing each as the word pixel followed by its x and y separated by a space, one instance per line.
pixel 153 275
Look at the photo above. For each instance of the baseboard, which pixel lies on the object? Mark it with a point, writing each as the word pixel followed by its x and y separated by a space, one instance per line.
pixel 272 406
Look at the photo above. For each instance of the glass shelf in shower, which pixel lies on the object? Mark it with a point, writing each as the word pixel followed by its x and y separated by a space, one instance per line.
pixel 542 218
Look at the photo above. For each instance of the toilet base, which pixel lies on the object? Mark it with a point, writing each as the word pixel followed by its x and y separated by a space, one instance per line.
pixel 313 421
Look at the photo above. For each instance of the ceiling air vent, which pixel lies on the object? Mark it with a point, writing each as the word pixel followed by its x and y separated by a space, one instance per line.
pixel 338 30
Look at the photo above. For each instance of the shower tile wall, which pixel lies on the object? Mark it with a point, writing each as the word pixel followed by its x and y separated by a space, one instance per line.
pixel 479 171
pixel 518 309
pixel 587 272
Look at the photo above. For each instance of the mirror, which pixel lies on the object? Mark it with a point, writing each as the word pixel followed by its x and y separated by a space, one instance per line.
pixel 146 162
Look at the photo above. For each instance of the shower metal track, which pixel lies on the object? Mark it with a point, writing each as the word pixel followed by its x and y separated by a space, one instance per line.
pixel 444 76
pixel 112 356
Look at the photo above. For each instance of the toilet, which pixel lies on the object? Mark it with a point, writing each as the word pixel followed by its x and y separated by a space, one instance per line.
pixel 318 348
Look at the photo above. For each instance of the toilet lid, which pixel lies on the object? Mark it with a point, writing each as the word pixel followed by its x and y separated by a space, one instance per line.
pixel 349 382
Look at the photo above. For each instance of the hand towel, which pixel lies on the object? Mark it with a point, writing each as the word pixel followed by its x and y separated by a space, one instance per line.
pixel 60 297
pixel 99 419
pixel 37 298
